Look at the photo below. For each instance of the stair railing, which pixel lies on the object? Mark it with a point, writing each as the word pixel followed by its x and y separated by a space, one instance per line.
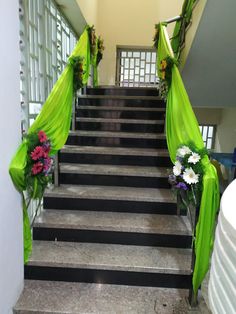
pixel 182 129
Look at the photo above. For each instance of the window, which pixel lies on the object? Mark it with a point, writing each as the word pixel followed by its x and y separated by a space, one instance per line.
pixel 208 135
pixel 136 67
pixel 46 41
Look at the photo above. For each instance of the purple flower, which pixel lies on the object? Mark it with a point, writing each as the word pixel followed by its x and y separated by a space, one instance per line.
pixel 182 185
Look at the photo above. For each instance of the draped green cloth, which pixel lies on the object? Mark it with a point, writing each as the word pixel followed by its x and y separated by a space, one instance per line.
pixel 181 129
pixel 54 119
pixel 180 26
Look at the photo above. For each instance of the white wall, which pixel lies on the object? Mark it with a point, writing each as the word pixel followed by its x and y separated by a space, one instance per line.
pixel 11 245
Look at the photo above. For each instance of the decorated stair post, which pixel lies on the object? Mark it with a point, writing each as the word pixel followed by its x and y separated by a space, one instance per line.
pixel 30 167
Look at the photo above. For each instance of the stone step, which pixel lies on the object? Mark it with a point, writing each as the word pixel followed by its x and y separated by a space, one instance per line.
pixel 124 125
pixel 121 112
pixel 115 156
pixel 110 263
pixel 115 175
pixel 114 228
pixel 123 91
pixel 120 139
pixel 85 298
pixel 121 100
pixel 110 198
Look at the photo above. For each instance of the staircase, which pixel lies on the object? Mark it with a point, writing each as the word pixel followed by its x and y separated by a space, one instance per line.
pixel 109 239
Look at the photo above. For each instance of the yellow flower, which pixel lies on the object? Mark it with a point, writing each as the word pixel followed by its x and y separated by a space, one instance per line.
pixel 163 64
pixel 163 75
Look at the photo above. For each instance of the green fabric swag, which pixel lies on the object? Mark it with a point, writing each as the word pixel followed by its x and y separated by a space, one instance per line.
pixel 181 129
pixel 180 26
pixel 54 119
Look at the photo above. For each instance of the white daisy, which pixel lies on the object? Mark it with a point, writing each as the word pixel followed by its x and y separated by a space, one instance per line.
pixel 190 176
pixel 194 158
pixel 177 168
pixel 184 150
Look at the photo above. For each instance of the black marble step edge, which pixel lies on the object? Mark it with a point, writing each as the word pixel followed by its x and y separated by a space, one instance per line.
pixel 126 91
pixel 113 180
pixel 108 277
pixel 107 159
pixel 116 142
pixel 112 237
pixel 163 208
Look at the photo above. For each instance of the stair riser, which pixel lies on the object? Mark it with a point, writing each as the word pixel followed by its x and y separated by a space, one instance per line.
pixel 123 91
pixel 112 237
pixel 116 142
pixel 113 180
pixel 115 160
pixel 125 127
pixel 121 102
pixel 108 277
pixel 109 205
pixel 121 114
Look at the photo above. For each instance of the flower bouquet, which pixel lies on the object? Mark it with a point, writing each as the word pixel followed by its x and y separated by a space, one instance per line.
pixel 186 179
pixel 100 49
pixel 39 164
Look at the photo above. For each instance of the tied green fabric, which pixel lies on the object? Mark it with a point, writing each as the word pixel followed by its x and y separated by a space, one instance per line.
pixel 180 26
pixel 181 129
pixel 54 119
pixel 95 65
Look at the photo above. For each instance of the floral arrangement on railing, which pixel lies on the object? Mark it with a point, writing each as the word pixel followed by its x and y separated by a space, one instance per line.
pixel 166 75
pixel 77 63
pixel 38 166
pixel 156 35
pixel 101 48
pixel 92 40
pixel 186 179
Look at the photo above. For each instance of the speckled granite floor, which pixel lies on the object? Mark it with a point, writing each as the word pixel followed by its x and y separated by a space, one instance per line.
pixel 80 298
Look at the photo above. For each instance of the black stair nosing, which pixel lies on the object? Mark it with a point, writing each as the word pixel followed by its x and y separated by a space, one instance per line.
pixel 121 121
pixel 132 278
pixel 122 97
pixel 120 108
pixel 116 142
pixel 111 237
pixel 108 159
pixel 117 90
pixel 113 180
pixel 103 205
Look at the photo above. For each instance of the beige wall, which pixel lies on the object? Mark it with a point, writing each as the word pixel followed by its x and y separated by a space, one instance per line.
pixel 129 22
pixel 125 22
pixel 226 131
pixel 89 9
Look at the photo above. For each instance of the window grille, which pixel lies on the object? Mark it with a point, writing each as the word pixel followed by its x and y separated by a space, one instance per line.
pixel 46 41
pixel 136 67
pixel 208 135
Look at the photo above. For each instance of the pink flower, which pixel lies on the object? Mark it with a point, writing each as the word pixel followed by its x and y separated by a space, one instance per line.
pixel 42 136
pixel 37 153
pixel 37 168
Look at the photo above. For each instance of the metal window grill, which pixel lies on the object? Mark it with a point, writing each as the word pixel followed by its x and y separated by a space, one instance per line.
pixel 208 135
pixel 46 41
pixel 136 67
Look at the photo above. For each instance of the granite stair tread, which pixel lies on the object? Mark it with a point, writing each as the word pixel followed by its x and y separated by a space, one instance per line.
pixel 83 298
pixel 119 97
pixel 117 134
pixel 112 257
pixel 111 193
pixel 114 120
pixel 133 151
pixel 114 221
pixel 119 108
pixel 118 170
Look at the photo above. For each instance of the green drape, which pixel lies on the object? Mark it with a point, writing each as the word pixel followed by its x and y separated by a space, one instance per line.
pixel 181 129
pixel 180 26
pixel 95 66
pixel 54 119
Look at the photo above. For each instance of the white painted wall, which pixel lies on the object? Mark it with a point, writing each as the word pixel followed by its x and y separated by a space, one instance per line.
pixel 11 239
